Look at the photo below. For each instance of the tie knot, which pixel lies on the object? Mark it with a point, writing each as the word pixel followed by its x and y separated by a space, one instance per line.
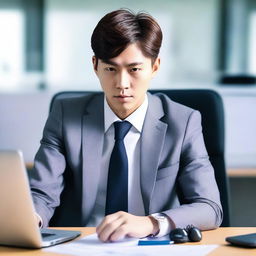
pixel 121 129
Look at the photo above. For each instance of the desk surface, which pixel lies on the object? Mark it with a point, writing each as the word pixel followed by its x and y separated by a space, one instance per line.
pixel 209 237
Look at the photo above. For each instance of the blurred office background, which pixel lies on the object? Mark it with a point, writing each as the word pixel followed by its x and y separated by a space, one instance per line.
pixel 45 48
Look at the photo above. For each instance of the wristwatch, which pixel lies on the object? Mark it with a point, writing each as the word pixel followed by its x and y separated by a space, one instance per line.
pixel 163 224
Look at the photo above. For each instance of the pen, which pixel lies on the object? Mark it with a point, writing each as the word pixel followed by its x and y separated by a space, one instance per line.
pixel 154 242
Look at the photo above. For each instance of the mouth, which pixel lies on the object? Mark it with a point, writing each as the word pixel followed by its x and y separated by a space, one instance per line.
pixel 123 98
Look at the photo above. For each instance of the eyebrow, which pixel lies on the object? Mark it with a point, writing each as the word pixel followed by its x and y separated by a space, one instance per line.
pixel 115 64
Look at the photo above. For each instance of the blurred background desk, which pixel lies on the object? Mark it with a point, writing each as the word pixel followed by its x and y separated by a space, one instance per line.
pixel 209 237
pixel 242 173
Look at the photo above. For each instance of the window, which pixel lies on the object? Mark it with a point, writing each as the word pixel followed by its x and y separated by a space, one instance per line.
pixel 11 48
pixel 252 44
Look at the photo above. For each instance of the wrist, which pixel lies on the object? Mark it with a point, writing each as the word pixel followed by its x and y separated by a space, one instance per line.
pixel 155 226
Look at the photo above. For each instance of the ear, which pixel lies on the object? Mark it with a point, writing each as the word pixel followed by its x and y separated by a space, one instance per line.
pixel 155 66
pixel 95 63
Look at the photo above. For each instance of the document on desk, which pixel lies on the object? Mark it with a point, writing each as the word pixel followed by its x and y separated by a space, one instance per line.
pixel 92 246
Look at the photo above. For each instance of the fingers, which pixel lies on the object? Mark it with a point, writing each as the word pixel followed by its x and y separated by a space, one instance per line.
pixel 118 225
pixel 120 233
pixel 109 226
pixel 107 220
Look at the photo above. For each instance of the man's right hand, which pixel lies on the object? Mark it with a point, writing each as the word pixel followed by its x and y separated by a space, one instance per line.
pixel 118 225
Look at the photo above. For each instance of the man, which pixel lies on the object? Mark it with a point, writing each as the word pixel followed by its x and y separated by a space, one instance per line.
pixel 153 179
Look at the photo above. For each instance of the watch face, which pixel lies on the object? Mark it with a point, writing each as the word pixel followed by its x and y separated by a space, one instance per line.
pixel 161 218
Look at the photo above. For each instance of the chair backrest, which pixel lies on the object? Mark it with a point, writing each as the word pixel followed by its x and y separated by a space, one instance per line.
pixel 210 105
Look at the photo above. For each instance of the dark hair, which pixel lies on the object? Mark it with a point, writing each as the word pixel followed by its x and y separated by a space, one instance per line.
pixel 117 29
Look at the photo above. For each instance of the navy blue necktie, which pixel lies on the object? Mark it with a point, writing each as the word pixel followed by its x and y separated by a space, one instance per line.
pixel 117 188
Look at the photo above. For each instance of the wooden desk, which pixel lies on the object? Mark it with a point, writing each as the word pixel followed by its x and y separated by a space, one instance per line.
pixel 209 237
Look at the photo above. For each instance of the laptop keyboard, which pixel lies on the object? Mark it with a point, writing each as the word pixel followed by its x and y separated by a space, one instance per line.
pixel 46 235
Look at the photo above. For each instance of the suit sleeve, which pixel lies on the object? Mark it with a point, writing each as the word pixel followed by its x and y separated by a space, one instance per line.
pixel 46 180
pixel 199 195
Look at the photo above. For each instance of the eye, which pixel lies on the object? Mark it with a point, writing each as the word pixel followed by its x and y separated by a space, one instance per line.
pixel 110 69
pixel 135 69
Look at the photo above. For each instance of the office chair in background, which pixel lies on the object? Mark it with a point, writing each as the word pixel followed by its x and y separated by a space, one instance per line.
pixel 210 105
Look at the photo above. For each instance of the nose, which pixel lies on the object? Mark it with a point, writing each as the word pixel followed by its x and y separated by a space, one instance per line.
pixel 123 81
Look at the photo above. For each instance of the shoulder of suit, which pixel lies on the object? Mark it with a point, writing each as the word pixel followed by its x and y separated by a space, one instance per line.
pixel 170 106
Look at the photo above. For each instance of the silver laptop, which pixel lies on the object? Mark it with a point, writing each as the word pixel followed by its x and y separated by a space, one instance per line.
pixel 18 224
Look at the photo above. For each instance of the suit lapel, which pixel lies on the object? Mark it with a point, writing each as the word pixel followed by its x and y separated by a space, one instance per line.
pixel 93 136
pixel 152 140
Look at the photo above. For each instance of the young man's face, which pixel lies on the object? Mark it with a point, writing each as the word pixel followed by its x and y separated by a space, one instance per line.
pixel 125 79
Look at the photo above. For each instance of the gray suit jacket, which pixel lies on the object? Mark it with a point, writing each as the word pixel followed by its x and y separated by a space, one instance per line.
pixel 177 177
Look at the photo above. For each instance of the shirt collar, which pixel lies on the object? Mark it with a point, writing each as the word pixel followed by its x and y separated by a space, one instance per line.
pixel 136 118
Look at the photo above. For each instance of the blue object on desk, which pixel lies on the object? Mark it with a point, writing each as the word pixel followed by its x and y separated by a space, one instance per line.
pixel 155 242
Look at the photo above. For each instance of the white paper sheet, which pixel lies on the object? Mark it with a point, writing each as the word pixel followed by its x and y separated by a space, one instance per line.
pixel 90 245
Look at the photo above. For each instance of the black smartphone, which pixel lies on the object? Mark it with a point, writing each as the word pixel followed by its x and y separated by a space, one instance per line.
pixel 248 240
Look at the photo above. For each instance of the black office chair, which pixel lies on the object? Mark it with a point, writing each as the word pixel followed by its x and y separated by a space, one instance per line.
pixel 210 105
